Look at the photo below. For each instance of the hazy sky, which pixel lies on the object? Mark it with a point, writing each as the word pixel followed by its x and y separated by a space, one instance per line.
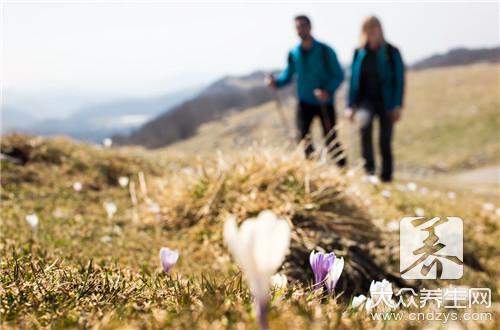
pixel 148 48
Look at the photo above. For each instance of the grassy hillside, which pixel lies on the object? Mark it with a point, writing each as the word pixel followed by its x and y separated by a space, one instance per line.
pixel 81 268
pixel 451 121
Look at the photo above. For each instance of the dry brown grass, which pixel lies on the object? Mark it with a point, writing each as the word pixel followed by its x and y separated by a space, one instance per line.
pixel 66 275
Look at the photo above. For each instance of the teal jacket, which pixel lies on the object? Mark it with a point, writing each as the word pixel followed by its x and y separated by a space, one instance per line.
pixel 391 70
pixel 316 68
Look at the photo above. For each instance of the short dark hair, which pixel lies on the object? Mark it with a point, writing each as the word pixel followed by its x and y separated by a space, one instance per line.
pixel 303 18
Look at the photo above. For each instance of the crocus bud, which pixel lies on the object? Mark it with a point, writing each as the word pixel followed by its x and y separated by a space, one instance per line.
pixel 32 220
pixel 107 142
pixel 110 208
pixel 123 181
pixel 77 186
pixel 168 258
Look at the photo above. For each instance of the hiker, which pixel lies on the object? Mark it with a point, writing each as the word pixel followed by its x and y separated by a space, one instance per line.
pixel 319 74
pixel 376 90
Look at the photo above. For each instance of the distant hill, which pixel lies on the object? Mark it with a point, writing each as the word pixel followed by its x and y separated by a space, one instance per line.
pixel 221 97
pixel 99 120
pixel 459 56
pixel 13 118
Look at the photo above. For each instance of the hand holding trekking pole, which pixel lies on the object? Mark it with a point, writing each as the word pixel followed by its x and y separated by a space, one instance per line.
pixel 395 115
pixel 349 114
pixel 271 82
pixel 321 95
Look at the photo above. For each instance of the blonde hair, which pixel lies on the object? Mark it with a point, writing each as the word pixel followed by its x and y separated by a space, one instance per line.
pixel 369 23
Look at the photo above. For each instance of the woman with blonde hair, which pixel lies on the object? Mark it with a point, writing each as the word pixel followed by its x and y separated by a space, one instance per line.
pixel 377 87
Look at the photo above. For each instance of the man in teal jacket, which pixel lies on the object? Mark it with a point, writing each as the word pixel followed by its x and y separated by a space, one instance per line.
pixel 318 75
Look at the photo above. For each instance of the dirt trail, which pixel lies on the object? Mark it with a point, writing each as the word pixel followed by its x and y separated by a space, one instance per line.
pixel 484 180
pixel 486 175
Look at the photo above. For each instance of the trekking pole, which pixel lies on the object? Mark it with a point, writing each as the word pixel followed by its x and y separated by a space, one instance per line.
pixel 329 129
pixel 352 137
pixel 324 112
pixel 281 113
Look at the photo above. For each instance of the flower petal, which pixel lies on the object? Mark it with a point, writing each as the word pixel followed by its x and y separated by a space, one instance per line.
pixel 358 301
pixel 274 241
pixel 334 274
pixel 369 305
pixel 279 281
pixel 259 246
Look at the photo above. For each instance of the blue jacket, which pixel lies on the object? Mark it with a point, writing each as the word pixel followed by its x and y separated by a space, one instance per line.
pixel 316 68
pixel 391 70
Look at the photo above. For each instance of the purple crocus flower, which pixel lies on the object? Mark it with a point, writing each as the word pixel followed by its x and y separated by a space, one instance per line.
pixel 320 264
pixel 168 258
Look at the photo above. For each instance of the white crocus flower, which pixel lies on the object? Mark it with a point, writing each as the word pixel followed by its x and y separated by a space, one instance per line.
pixel 106 239
pixel 369 305
pixel 412 186
pixel 77 186
pixel 259 246
pixel 380 295
pixel 419 212
pixel 488 206
pixel 58 213
pixel 373 179
pixel 393 225
pixel 153 207
pixel 386 193
pixel 123 181
pixel 279 281
pixel 32 220
pixel 358 301
pixel 107 142
pixel 110 208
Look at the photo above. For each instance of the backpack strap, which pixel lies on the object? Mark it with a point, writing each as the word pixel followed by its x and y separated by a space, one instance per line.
pixel 390 55
pixel 326 61
pixel 392 64
pixel 356 52
pixel 290 57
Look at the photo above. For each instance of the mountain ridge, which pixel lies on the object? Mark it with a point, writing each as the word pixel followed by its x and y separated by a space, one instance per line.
pixel 459 56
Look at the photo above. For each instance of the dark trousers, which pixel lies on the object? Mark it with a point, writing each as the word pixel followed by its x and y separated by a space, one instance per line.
pixel 385 138
pixel 326 113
